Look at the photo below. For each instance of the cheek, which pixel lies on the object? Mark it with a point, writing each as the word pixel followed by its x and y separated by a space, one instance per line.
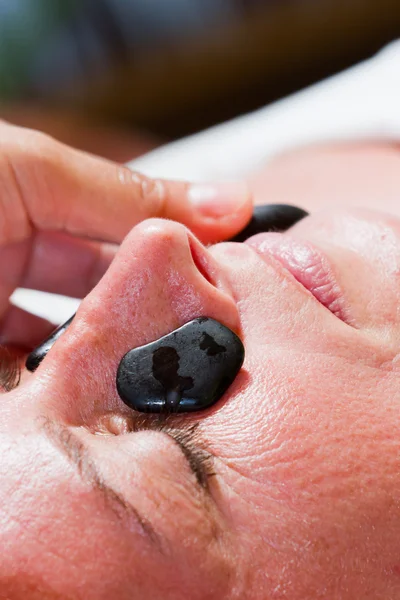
pixel 346 175
pixel 320 465
pixel 322 424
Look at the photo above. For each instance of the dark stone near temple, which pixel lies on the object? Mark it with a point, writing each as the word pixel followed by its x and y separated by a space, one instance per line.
pixel 271 217
pixel 38 354
pixel 187 370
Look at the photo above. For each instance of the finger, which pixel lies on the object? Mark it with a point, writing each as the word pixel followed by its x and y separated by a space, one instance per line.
pixel 21 329
pixel 211 211
pixel 53 187
pixel 62 264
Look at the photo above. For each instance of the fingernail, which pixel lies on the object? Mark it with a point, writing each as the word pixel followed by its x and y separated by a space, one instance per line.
pixel 218 200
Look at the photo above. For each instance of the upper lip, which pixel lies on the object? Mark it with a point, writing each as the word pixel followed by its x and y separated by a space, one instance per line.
pixel 309 266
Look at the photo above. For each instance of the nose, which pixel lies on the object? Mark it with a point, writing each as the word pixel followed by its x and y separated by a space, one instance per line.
pixel 161 278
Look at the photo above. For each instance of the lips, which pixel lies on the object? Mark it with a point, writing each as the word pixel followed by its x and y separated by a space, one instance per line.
pixel 308 265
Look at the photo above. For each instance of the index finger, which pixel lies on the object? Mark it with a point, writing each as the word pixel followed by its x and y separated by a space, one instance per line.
pixel 53 187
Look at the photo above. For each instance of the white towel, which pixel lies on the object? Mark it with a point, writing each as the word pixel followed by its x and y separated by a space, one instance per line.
pixel 360 103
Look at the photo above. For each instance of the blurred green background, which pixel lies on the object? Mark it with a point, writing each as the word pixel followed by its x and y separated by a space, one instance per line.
pixel 154 70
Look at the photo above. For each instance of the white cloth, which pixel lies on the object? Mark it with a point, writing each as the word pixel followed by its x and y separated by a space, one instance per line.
pixel 360 103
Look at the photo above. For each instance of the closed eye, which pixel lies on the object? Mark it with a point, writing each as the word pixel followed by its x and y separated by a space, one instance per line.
pixel 200 460
pixel 187 437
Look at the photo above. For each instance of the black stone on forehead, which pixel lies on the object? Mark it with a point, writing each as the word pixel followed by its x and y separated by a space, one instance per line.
pixel 186 370
pixel 271 217
pixel 38 354
pixel 210 345
pixel 165 369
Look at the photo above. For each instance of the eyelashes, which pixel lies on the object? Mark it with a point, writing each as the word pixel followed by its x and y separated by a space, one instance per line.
pixel 10 370
pixel 200 460
pixel 188 437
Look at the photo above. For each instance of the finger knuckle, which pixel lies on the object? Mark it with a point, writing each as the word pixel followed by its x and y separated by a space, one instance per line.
pixel 151 194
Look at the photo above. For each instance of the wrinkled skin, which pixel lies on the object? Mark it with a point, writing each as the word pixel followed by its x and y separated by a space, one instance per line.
pixel 305 498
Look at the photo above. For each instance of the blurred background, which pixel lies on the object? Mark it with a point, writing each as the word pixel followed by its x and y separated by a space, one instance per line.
pixel 119 77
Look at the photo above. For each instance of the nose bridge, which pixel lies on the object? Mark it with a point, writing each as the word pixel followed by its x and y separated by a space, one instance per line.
pixel 161 278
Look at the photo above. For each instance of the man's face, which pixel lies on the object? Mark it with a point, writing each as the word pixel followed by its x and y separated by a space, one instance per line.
pixel 288 488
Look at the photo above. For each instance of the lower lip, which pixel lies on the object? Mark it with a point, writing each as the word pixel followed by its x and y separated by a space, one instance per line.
pixel 308 265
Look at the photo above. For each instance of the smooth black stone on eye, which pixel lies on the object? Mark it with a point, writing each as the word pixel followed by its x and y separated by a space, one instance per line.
pixel 185 371
pixel 271 217
pixel 38 354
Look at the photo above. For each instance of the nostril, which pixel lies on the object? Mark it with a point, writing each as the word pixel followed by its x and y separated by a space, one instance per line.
pixel 201 261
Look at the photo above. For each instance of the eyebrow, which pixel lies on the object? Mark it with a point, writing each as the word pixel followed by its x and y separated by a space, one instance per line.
pixel 10 370
pixel 189 439
pixel 77 453
pixel 184 434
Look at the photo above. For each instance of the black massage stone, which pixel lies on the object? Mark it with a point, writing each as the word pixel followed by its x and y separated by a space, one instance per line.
pixel 38 354
pixel 271 217
pixel 185 371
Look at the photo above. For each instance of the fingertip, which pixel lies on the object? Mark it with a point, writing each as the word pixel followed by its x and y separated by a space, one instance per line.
pixel 218 200
pixel 220 210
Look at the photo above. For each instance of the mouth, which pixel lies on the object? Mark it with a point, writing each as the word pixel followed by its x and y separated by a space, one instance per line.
pixel 309 266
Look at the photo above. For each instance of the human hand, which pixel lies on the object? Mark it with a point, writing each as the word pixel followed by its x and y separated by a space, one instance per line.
pixel 64 210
